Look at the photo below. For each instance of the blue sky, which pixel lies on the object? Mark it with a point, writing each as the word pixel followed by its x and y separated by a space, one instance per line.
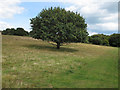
pixel 101 17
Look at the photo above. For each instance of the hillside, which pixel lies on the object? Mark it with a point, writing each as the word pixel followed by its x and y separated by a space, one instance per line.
pixel 33 63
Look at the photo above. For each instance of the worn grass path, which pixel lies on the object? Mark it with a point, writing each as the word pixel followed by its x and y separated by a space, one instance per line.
pixel 29 63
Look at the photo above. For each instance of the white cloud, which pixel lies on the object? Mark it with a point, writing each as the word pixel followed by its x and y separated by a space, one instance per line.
pixel 92 33
pixel 67 0
pixel 110 18
pixel 71 8
pixel 4 25
pixel 109 26
pixel 87 8
pixel 87 1
pixel 8 8
pixel 106 20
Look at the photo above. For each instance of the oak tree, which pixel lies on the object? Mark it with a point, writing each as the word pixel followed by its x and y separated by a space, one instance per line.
pixel 59 26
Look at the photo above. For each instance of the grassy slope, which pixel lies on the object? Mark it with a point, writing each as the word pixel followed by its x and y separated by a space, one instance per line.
pixel 34 63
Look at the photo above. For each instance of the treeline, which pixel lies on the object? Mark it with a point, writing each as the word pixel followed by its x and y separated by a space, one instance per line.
pixel 97 39
pixel 17 32
pixel 107 40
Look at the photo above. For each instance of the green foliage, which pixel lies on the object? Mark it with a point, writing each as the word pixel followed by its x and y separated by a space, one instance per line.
pixel 114 40
pixel 99 39
pixel 102 36
pixel 90 39
pixel 105 42
pixel 31 33
pixel 59 26
pixel 21 32
pixel 8 31
pixel 12 31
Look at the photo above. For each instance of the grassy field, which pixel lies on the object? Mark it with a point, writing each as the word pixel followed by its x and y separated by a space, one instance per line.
pixel 30 63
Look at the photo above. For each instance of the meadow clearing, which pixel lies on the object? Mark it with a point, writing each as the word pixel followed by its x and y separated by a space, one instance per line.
pixel 30 63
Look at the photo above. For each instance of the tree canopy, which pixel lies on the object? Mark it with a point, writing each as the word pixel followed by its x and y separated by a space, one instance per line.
pixel 59 26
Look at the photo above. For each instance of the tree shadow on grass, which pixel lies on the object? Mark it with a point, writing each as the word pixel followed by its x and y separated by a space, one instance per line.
pixel 51 48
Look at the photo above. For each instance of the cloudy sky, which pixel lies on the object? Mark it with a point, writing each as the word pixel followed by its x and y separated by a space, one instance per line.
pixel 101 17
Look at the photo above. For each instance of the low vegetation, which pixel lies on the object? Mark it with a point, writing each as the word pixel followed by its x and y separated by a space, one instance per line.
pixel 31 63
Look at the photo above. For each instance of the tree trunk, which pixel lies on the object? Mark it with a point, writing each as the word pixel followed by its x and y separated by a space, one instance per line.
pixel 58 45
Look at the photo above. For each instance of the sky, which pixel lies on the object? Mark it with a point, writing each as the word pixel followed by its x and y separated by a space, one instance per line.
pixel 101 16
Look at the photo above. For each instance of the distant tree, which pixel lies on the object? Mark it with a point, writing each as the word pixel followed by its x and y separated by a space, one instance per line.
pixel 114 40
pixel 12 31
pixel 59 26
pixel 99 39
pixel 105 42
pixel 4 32
pixel 8 31
pixel 90 39
pixel 21 32
pixel 102 36
pixel 31 33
